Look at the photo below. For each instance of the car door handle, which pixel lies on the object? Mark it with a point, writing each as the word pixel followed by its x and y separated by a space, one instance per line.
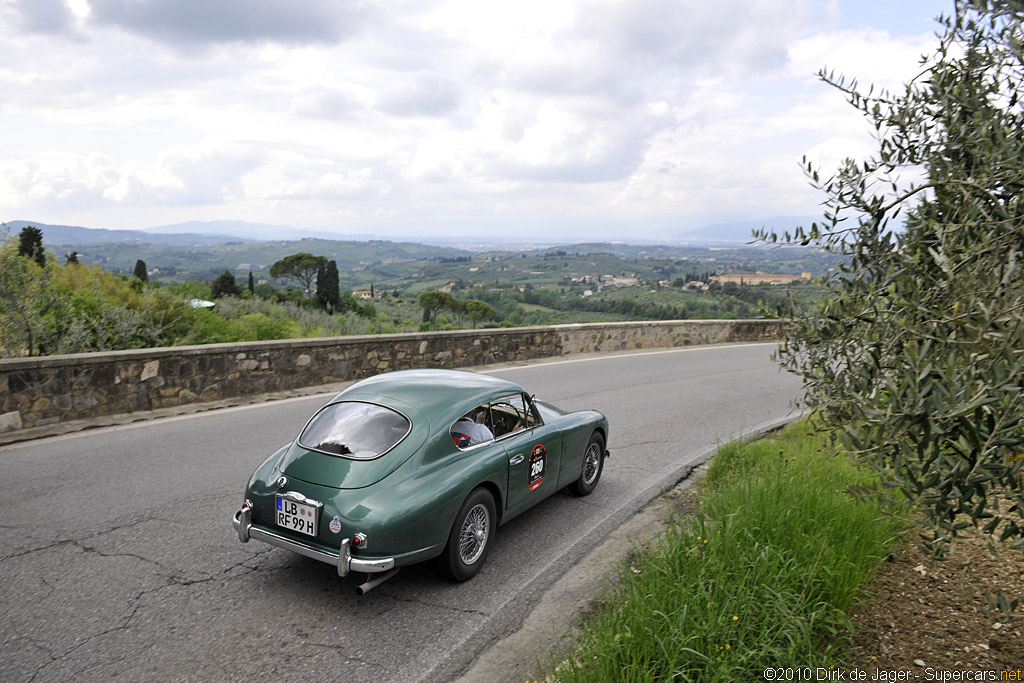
pixel 516 459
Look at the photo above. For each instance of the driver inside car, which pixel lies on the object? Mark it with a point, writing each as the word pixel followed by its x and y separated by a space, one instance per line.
pixel 469 431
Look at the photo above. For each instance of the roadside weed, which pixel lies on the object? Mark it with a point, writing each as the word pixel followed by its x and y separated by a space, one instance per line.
pixel 762 575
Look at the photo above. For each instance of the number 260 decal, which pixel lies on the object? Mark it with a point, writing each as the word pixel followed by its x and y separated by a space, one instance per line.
pixel 537 465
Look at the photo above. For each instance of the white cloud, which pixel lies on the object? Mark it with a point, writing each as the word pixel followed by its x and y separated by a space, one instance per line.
pixel 327 115
pixel 54 179
pixel 325 103
pixel 197 22
pixel 426 94
pixel 871 56
pixel 41 16
pixel 289 175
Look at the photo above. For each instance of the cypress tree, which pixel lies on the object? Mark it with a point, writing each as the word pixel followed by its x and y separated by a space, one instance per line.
pixel 30 244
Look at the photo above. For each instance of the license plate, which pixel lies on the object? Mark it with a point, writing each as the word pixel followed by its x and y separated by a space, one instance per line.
pixel 301 517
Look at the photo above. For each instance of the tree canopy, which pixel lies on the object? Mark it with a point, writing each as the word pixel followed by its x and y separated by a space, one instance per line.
pixel 302 267
pixel 478 310
pixel 434 301
pixel 917 358
pixel 30 244
pixel 25 295
pixel 226 285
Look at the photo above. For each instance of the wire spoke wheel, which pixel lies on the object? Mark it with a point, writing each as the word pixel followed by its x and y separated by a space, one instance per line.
pixel 591 463
pixel 473 537
pixel 590 468
pixel 470 538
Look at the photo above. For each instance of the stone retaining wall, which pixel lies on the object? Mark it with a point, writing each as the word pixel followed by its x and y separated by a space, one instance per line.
pixel 35 392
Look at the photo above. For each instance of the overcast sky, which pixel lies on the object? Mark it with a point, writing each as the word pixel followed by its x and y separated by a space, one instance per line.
pixel 604 119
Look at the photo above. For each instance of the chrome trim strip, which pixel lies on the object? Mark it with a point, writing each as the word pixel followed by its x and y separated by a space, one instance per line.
pixel 297 497
pixel 355 564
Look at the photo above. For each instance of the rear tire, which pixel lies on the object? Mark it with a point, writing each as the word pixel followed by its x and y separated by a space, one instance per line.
pixel 470 537
pixel 593 465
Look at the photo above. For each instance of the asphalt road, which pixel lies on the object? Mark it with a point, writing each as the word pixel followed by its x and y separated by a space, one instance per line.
pixel 118 558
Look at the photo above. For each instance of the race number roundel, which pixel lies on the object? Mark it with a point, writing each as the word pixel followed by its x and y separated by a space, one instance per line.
pixel 537 464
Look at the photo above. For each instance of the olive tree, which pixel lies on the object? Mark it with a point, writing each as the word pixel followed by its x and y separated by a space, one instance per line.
pixel 25 298
pixel 916 360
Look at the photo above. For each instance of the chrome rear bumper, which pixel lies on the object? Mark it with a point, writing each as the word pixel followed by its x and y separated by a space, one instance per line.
pixel 343 559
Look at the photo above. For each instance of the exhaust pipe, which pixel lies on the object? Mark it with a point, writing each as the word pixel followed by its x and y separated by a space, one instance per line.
pixel 378 579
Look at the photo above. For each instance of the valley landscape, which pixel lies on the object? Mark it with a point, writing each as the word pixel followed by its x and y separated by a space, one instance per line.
pixel 381 284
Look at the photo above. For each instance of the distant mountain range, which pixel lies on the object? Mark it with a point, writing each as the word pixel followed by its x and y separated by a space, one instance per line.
pixel 259 232
pixel 205 233
pixel 742 232
pixel 192 233
pixel 74 236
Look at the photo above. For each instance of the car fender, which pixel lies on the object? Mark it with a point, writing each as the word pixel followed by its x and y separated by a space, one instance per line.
pixel 577 429
pixel 415 506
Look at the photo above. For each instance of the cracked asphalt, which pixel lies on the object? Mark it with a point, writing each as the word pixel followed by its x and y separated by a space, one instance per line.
pixel 119 560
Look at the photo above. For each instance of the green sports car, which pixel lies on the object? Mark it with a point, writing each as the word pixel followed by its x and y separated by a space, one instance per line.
pixel 417 465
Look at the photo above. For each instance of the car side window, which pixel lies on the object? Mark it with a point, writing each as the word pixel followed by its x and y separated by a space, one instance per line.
pixel 512 414
pixel 494 420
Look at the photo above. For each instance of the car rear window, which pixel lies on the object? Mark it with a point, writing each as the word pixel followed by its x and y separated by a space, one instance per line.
pixel 357 430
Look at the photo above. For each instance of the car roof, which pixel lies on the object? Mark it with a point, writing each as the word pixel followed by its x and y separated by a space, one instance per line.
pixel 437 393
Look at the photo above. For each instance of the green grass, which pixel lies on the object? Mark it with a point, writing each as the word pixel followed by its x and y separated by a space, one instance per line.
pixel 762 575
